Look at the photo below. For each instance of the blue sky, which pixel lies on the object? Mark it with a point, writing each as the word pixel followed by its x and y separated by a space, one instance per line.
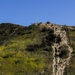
pixel 26 12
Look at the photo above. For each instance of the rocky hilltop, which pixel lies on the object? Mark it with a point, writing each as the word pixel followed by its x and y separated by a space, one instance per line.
pixel 37 49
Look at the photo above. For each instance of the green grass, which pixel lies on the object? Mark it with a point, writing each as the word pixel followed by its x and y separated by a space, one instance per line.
pixel 28 50
pixel 15 56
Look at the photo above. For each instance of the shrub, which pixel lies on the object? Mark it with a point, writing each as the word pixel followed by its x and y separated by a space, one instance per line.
pixel 58 39
pixel 47 22
pixel 63 52
pixel 33 47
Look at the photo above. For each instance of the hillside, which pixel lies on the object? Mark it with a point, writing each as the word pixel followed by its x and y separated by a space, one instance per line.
pixel 38 49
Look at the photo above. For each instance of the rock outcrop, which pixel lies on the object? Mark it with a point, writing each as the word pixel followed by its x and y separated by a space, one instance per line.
pixel 61 51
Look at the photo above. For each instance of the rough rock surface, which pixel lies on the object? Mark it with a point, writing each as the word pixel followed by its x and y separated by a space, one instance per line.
pixel 59 63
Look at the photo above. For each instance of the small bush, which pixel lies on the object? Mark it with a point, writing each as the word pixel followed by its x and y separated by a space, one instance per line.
pixel 58 39
pixel 47 22
pixel 63 52
pixel 33 47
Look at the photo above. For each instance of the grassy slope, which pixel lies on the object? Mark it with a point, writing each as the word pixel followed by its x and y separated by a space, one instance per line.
pixel 25 50
pixel 70 70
